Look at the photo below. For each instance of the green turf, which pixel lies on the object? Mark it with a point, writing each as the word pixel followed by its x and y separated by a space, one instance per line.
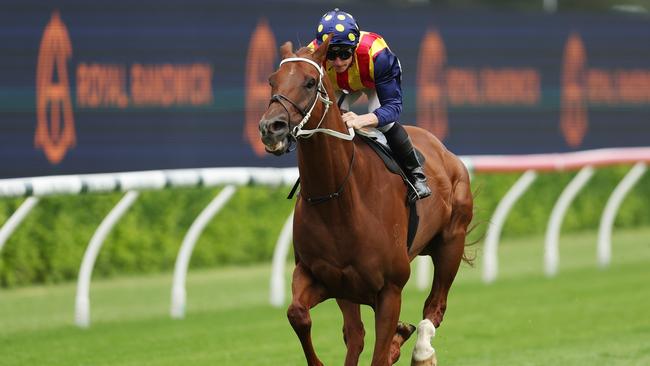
pixel 584 316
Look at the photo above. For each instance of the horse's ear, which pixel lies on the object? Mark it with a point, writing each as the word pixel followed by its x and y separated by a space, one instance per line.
pixel 286 50
pixel 321 51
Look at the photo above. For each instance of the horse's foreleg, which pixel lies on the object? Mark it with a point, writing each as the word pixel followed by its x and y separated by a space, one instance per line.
pixel 306 294
pixel 353 331
pixel 387 311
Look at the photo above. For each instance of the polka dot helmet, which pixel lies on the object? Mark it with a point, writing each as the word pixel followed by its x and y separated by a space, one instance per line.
pixel 342 25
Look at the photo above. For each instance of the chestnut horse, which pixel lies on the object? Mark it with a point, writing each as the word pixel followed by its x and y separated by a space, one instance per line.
pixel 350 222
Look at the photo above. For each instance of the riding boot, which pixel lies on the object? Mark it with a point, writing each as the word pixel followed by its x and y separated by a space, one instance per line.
pixel 400 143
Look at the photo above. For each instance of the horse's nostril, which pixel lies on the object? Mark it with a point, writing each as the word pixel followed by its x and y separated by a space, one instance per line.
pixel 278 126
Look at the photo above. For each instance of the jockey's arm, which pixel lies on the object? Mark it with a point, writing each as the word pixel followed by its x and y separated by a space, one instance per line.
pixel 388 76
pixel 388 80
pixel 360 121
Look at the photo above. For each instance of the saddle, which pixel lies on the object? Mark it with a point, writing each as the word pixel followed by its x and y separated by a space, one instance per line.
pixel 377 141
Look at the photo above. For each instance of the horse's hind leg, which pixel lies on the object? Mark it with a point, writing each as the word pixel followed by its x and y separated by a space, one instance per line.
pixel 353 331
pixel 446 254
pixel 306 294
pixel 446 258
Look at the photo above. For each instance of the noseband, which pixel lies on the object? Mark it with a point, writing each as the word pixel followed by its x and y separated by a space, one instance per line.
pixel 321 94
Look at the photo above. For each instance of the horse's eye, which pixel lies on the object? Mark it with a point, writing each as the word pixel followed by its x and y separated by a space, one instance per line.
pixel 311 83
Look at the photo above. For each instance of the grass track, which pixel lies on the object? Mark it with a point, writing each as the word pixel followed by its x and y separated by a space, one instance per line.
pixel 585 316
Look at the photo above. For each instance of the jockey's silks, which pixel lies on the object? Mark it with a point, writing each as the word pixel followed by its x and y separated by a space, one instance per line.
pixel 374 66
pixel 360 75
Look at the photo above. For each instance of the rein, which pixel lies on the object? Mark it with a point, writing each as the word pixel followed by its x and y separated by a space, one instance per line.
pixel 298 131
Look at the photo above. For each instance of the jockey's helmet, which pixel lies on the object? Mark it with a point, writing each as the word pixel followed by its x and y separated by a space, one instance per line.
pixel 343 26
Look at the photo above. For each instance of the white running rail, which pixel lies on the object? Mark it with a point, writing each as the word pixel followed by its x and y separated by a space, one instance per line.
pixel 552 241
pixel 179 295
pixel 609 213
pixel 82 302
pixel 490 256
pixel 279 263
pixel 36 187
pixel 15 219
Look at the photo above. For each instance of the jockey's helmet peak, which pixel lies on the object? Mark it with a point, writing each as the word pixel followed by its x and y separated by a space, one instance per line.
pixel 343 26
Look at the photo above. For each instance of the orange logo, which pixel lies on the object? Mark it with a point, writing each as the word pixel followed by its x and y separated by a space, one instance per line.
pixel 583 86
pixel 440 86
pixel 431 103
pixel 573 119
pixel 56 137
pixel 259 65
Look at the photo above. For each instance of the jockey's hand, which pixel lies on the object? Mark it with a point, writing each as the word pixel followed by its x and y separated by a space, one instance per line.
pixel 357 122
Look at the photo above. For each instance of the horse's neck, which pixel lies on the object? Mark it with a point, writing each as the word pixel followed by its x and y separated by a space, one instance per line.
pixel 324 160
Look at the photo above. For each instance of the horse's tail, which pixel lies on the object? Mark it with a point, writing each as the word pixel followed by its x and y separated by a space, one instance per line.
pixel 469 256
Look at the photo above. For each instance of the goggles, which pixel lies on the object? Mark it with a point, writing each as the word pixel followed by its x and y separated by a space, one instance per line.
pixel 342 53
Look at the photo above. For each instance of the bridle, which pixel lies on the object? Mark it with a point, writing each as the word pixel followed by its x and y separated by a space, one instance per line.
pixel 321 94
pixel 297 131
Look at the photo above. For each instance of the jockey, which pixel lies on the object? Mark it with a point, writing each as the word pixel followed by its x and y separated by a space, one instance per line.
pixel 361 62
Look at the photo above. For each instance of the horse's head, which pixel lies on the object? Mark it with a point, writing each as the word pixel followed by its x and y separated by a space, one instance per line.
pixel 296 88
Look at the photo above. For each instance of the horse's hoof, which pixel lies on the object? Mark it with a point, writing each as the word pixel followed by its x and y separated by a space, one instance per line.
pixel 423 353
pixel 405 330
pixel 402 334
pixel 431 361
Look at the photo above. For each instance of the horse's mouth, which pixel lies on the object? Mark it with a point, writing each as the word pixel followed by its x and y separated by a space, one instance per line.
pixel 278 148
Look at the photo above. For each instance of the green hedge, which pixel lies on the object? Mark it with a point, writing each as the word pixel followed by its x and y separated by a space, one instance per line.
pixel 49 245
pixel 531 213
